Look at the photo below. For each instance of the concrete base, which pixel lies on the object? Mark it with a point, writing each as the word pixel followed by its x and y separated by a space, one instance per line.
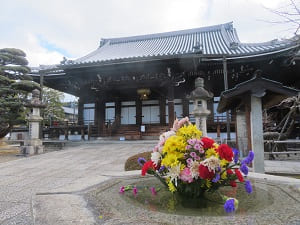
pixel 31 150
pixel 27 150
pixel 39 149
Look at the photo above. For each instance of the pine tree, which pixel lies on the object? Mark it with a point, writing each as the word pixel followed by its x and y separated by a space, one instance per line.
pixel 15 85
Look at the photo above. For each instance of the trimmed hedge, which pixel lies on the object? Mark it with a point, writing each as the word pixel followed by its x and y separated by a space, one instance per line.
pixel 131 162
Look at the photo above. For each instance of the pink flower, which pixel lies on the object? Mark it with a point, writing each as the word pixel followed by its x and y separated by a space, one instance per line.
pixel 175 125
pixel 189 161
pixel 197 158
pixel 193 154
pixel 188 147
pixel 153 191
pixel 183 121
pixel 192 141
pixel 197 147
pixel 186 175
pixel 122 190
pixel 134 191
pixel 156 148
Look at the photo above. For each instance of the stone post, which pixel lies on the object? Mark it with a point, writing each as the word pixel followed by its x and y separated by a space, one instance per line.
pixel 257 134
pixel 241 133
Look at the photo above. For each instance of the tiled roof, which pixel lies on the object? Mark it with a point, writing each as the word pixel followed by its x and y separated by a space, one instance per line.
pixel 214 40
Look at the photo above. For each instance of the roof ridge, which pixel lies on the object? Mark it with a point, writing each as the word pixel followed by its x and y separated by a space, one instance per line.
pixel 228 25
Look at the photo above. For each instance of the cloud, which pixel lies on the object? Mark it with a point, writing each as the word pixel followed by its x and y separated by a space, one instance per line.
pixel 49 29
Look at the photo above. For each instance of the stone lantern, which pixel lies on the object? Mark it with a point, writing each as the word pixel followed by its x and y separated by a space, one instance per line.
pixel 34 145
pixel 200 97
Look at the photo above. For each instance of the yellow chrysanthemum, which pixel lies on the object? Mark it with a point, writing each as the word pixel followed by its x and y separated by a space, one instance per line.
pixel 173 144
pixel 171 186
pixel 170 160
pixel 208 183
pixel 223 162
pixel 215 145
pixel 224 176
pixel 211 152
pixel 188 132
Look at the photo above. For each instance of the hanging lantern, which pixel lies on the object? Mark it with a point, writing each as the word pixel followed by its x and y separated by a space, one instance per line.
pixel 143 93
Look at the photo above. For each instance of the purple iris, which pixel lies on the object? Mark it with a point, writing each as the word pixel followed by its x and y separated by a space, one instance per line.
pixel 216 179
pixel 229 205
pixel 236 155
pixel 248 186
pixel 161 169
pixel 141 161
pixel 244 169
pixel 249 158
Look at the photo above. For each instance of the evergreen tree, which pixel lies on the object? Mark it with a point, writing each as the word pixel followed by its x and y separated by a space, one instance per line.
pixel 54 107
pixel 15 85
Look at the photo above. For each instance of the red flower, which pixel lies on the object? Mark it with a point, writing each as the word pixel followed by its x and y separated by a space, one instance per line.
pixel 207 142
pixel 225 152
pixel 147 165
pixel 239 175
pixel 205 173
pixel 233 183
pixel 229 172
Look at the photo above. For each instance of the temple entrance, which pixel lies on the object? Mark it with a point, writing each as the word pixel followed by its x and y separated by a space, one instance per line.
pixel 128 113
pixel 110 112
pixel 150 112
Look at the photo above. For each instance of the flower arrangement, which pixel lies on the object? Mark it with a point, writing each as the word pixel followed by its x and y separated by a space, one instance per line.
pixel 189 164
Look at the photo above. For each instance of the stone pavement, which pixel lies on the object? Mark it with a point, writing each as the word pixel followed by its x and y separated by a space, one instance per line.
pixel 45 189
pixel 45 186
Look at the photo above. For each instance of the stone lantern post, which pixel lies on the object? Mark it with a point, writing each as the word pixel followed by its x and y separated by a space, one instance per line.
pixel 200 97
pixel 34 145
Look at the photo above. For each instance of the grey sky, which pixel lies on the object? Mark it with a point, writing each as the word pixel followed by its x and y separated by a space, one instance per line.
pixel 47 30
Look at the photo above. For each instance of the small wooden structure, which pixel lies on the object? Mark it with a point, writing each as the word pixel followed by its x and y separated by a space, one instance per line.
pixel 248 99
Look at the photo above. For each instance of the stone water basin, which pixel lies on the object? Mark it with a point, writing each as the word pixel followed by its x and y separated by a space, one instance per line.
pixel 270 203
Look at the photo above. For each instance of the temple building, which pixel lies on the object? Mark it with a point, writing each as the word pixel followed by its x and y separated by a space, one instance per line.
pixel 145 80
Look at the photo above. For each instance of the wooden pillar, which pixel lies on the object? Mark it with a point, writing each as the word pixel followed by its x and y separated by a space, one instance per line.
pixel 101 117
pixel 138 114
pixel 185 107
pixel 118 112
pixel 218 131
pixel 162 110
pixel 80 111
pixel 171 105
pixel 100 113
pixel 97 111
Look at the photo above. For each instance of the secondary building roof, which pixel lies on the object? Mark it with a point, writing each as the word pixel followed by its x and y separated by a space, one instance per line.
pixel 271 92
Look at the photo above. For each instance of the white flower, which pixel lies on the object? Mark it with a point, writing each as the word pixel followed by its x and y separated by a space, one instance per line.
pixel 155 157
pixel 194 168
pixel 173 173
pixel 212 163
